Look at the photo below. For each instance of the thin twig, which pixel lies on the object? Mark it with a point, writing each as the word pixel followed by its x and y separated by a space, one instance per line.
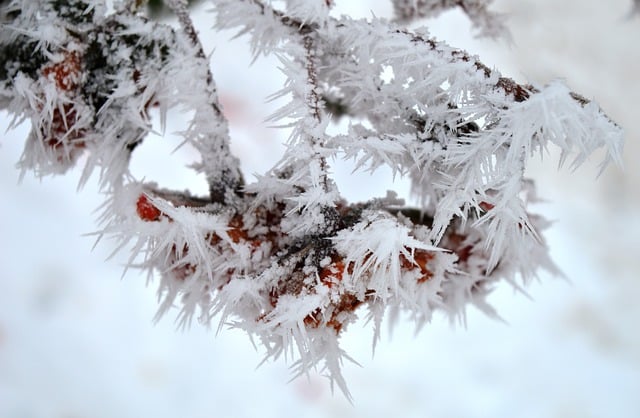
pixel 314 101
pixel 312 77
pixel 519 92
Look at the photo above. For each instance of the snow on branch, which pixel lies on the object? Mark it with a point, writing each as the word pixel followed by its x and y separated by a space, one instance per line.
pixel 287 258
pixel 488 24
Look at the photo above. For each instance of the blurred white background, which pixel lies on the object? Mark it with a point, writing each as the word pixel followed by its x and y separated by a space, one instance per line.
pixel 78 341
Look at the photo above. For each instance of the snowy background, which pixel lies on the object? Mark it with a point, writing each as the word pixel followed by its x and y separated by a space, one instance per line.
pixel 76 340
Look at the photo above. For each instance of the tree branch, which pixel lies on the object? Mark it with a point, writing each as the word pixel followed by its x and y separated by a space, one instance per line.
pixel 222 169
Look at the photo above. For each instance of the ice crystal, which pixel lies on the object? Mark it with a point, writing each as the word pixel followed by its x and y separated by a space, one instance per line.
pixel 287 258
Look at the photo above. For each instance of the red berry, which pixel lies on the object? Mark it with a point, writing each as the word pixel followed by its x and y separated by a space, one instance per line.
pixel 146 210
pixel 66 73
pixel 486 206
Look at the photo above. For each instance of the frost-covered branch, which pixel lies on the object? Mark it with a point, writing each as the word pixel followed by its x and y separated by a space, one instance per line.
pixel 287 258
pixel 488 24
pixel 210 132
